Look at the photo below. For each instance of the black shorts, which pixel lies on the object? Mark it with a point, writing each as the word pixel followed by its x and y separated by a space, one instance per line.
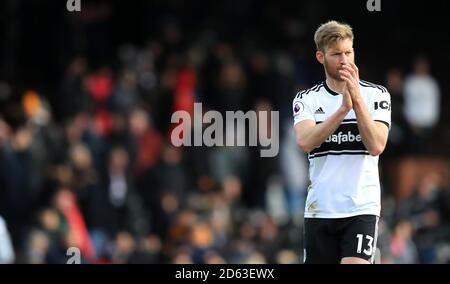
pixel 330 240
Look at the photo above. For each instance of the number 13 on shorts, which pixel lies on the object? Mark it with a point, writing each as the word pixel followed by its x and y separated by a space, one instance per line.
pixel 368 240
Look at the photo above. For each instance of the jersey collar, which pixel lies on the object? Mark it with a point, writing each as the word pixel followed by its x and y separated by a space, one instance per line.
pixel 330 90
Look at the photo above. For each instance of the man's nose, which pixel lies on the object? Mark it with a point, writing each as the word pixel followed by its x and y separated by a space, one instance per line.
pixel 343 59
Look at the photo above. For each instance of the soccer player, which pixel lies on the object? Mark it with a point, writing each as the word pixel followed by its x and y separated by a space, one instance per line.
pixel 343 125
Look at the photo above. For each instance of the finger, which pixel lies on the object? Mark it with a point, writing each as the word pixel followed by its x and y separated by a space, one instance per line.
pixel 347 78
pixel 351 70
pixel 355 68
pixel 351 85
pixel 350 75
pixel 346 73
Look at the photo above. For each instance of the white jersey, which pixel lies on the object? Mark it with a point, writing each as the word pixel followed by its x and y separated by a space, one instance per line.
pixel 344 176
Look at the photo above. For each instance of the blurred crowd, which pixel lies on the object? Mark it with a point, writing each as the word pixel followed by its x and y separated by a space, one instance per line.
pixel 94 167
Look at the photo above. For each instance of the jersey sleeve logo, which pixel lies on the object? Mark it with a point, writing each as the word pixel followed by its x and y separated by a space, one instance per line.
pixel 298 108
pixel 320 111
pixel 382 105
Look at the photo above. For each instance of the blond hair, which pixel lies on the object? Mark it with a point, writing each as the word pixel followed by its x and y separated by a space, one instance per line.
pixel 330 33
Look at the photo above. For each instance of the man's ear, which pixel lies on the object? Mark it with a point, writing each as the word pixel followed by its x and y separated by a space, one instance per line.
pixel 320 56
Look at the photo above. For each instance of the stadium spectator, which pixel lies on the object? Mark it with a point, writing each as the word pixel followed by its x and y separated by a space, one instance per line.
pixel 422 105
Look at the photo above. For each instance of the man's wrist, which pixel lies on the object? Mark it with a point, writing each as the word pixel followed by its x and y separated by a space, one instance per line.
pixel 343 110
pixel 358 102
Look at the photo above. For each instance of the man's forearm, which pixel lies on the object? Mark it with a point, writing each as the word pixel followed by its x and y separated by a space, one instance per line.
pixel 373 136
pixel 315 136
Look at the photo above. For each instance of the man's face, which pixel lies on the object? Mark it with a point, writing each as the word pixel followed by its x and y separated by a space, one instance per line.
pixel 336 56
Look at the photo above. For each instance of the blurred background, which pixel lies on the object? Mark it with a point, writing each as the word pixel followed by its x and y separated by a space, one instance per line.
pixel 85 106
